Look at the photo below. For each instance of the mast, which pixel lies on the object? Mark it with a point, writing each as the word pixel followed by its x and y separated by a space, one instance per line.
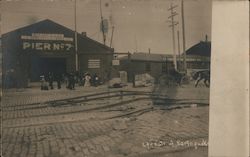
pixel 102 24
pixel 113 28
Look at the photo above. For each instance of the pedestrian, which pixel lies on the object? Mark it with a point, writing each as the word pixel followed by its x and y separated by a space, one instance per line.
pixel 71 80
pixel 95 80
pixel 44 85
pixel 81 80
pixel 87 80
pixel 58 79
pixel 51 79
pixel 74 80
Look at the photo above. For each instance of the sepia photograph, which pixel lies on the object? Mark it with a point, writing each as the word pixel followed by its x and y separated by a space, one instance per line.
pixel 105 78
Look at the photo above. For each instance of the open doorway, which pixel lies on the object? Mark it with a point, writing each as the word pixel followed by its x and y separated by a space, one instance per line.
pixel 44 65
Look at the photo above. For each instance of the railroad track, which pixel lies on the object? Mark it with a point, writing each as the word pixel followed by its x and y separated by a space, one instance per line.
pixel 75 105
pixel 80 99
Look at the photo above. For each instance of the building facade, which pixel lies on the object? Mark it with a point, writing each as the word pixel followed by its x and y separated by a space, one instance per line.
pixel 160 64
pixel 46 46
pixel 141 63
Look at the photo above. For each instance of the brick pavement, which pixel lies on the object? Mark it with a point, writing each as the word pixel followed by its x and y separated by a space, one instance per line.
pixel 90 134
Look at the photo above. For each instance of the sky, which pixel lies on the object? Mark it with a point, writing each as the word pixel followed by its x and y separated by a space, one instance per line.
pixel 138 24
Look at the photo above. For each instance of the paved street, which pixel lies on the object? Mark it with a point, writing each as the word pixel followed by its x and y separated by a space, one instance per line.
pixel 134 126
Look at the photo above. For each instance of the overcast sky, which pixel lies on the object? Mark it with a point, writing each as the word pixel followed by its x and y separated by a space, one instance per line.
pixel 139 24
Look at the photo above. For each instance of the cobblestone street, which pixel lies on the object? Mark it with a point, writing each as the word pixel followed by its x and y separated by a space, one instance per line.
pixel 35 125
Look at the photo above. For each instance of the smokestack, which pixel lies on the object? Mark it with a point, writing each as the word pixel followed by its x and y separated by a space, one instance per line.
pixel 148 50
pixel 206 38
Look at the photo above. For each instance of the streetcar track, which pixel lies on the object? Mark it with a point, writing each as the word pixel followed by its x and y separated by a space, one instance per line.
pixel 79 109
pixel 76 103
pixel 84 97
pixel 132 113
pixel 86 110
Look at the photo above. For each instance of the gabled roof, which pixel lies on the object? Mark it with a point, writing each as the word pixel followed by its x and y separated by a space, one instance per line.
pixel 46 26
pixel 203 48
pixel 40 25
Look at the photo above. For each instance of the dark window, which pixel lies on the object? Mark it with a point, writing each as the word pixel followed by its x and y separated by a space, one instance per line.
pixel 148 67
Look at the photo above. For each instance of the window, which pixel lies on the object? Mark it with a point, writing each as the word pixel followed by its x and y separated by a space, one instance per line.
pixel 94 63
pixel 148 67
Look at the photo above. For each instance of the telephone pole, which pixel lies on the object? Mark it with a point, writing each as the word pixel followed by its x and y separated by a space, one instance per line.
pixel 76 48
pixel 179 49
pixel 173 24
pixel 183 36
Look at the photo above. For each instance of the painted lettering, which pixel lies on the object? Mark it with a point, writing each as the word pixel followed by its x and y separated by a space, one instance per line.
pixel 62 46
pixel 33 45
pixel 39 46
pixel 56 46
pixel 68 46
pixel 26 45
pixel 46 46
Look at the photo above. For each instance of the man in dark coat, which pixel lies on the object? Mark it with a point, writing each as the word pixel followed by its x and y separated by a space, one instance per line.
pixel 58 78
pixel 51 79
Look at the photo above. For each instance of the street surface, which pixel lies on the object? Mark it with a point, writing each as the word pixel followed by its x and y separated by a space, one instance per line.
pixel 131 126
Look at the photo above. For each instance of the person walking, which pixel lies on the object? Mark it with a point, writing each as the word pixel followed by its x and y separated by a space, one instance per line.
pixel 58 79
pixel 51 79
pixel 95 80
pixel 44 85
pixel 87 80
pixel 74 80
pixel 70 82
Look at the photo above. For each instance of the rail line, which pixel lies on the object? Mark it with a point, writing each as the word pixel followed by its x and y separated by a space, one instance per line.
pixel 58 106
pixel 87 98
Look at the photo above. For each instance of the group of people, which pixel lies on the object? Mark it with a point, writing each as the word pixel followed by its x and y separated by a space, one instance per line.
pixel 47 81
pixel 85 80
pixel 70 79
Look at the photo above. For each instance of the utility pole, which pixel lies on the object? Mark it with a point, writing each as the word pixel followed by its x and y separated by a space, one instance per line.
pixel 76 48
pixel 173 24
pixel 179 49
pixel 183 35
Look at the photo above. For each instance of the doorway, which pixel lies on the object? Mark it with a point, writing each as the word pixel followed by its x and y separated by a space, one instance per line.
pixel 44 65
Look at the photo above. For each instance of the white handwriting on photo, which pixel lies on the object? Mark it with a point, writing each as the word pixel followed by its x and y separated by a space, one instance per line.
pixel 175 144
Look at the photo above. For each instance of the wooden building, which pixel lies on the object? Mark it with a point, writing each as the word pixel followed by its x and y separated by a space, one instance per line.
pixel 159 64
pixel 47 46
pixel 140 63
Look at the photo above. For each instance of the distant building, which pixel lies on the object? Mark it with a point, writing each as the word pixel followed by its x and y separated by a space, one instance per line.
pixel 200 54
pixel 159 64
pixel 203 48
pixel 47 46
pixel 140 63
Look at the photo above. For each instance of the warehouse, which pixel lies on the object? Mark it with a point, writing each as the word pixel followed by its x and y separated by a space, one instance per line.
pixel 151 63
pixel 159 64
pixel 47 46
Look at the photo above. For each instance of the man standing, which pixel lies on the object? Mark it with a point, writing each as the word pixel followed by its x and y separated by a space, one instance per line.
pixel 58 79
pixel 87 80
pixel 51 79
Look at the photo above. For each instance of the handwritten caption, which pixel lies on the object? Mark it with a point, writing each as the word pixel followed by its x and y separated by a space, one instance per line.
pixel 175 143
